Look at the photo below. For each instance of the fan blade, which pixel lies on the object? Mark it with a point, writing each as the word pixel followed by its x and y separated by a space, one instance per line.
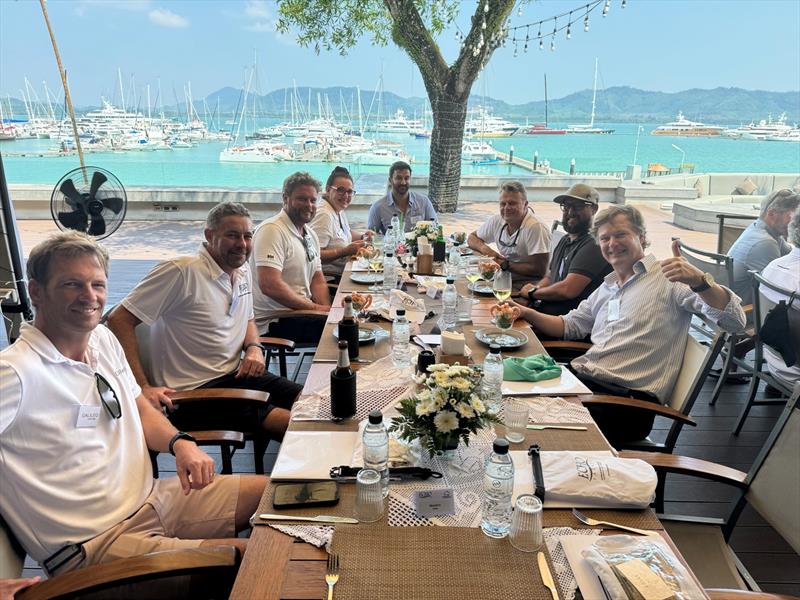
pixel 98 226
pixel 74 220
pixel 74 197
pixel 113 204
pixel 98 179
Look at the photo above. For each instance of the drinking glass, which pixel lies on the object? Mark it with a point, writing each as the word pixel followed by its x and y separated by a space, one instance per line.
pixel 473 275
pixel 464 312
pixel 515 420
pixel 526 524
pixel 369 496
pixel 502 285
pixel 375 264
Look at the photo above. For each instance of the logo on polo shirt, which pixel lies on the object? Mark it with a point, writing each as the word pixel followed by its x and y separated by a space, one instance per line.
pixel 272 256
pixel 244 288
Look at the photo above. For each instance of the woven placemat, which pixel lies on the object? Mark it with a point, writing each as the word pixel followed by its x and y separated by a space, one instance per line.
pixel 641 519
pixel 561 439
pixel 435 563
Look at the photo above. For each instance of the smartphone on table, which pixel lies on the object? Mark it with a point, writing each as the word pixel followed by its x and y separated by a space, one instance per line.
pixel 305 494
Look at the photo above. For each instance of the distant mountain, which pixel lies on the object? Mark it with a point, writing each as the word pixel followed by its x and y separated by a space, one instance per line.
pixel 722 106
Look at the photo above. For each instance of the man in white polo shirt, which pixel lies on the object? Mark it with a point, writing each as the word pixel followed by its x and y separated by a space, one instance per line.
pixel 287 265
pixel 523 243
pixel 200 312
pixel 78 487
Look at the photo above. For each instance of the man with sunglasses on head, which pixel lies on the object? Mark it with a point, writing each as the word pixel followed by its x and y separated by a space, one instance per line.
pixel 523 243
pixel 577 267
pixel 75 429
pixel 287 265
pixel 409 206
pixel 337 240
pixel 202 331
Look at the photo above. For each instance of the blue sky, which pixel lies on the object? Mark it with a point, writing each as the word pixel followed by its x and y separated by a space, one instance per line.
pixel 666 45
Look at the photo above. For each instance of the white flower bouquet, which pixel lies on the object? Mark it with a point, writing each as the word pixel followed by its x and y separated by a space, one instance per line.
pixel 446 409
pixel 426 229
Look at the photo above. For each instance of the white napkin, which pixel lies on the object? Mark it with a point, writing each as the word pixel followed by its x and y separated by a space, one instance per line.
pixel 311 454
pixel 565 385
pixel 587 479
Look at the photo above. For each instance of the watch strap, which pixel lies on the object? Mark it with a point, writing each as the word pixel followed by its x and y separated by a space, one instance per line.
pixel 531 292
pixel 181 435
pixel 251 344
pixel 704 285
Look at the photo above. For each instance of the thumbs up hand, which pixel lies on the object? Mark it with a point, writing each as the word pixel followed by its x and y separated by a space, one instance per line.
pixel 678 270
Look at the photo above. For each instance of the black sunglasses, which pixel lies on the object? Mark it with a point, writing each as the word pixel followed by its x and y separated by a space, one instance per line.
pixel 311 252
pixel 108 396
pixel 344 191
pixel 565 206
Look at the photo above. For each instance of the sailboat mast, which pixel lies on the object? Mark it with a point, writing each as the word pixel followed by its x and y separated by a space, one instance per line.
pixel 545 100
pixel 594 93
pixel 121 88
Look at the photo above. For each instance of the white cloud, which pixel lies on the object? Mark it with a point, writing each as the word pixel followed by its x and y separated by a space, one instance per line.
pixel 256 9
pixel 261 27
pixel 166 18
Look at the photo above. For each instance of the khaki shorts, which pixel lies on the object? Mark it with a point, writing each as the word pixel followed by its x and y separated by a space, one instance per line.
pixel 168 520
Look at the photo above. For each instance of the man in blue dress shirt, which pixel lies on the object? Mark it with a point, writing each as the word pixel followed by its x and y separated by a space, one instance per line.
pixel 407 205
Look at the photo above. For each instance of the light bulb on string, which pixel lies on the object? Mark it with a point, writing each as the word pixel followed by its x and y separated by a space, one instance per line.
pixel 552 44
pixel 541 44
pixel 569 33
pixel 486 7
pixel 586 23
pixel 606 6
pixel 624 3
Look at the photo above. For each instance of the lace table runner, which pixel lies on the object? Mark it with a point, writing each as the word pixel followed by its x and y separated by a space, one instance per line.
pixel 566 579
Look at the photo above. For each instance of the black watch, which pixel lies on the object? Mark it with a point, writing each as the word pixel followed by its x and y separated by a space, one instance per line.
pixel 504 265
pixel 531 292
pixel 181 435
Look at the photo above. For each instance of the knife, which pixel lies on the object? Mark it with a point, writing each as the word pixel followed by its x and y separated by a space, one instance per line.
pixel 547 577
pixel 317 519
pixel 570 427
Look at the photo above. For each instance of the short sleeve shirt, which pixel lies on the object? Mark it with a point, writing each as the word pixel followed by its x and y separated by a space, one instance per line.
pixel 277 244
pixel 333 231
pixel 532 237
pixel 754 250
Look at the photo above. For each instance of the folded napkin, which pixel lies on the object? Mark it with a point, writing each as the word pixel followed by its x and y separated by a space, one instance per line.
pixel 531 368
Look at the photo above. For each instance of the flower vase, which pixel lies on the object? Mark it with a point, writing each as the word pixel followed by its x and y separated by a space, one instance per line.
pixel 450 449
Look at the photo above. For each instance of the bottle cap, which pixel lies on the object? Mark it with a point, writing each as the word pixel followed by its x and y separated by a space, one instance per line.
pixel 500 446
pixel 342 344
pixel 401 312
pixel 376 417
pixel 390 254
pixel 451 280
pixel 494 349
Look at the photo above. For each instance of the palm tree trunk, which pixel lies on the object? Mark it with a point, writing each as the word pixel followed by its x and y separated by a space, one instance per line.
pixel 445 157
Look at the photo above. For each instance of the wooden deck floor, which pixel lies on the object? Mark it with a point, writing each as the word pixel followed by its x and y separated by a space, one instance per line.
pixel 770 560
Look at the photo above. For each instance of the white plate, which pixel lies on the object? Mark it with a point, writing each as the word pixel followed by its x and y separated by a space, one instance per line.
pixel 366 335
pixel 482 287
pixel 366 277
pixel 505 338
pixel 567 384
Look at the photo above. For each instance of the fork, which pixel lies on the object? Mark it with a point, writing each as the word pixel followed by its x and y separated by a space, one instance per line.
pixel 589 521
pixel 332 573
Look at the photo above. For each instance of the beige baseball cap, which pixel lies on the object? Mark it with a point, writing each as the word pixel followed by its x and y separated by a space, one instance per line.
pixel 579 191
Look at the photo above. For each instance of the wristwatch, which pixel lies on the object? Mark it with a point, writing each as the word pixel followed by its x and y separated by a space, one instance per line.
pixel 706 283
pixel 250 345
pixel 504 265
pixel 531 292
pixel 181 435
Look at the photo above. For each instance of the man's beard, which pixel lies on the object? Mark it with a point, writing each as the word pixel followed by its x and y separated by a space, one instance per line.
pixel 580 227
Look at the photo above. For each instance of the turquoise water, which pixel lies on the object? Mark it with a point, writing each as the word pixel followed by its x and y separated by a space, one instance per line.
pixel 199 166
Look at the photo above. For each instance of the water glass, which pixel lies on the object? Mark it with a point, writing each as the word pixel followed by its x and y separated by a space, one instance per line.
pixel 369 496
pixel 464 308
pixel 526 524
pixel 515 420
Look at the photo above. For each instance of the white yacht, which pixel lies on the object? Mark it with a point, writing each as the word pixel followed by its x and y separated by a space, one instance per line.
pixel 682 126
pixel 473 151
pixel 483 124
pixel 398 124
pixel 765 128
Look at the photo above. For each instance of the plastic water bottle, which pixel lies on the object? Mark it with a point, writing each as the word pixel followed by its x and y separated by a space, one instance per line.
pixel 395 225
pixel 449 305
pixel 401 333
pixel 389 272
pixel 491 386
pixel 389 241
pixel 376 448
pixel 453 262
pixel 498 488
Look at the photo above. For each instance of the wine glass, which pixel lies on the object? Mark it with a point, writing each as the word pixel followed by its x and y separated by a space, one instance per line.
pixel 473 275
pixel 375 264
pixel 502 285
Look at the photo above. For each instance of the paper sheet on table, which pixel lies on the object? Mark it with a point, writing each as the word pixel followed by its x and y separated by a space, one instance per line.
pixel 311 454
pixel 588 582
pixel 565 385
pixel 523 481
pixel 431 339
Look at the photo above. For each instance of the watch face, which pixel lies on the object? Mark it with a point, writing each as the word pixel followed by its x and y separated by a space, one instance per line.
pixel 709 279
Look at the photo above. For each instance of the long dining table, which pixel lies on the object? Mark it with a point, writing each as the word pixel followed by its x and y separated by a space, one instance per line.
pixel 279 566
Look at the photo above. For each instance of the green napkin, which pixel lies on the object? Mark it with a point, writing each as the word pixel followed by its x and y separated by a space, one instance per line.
pixel 531 368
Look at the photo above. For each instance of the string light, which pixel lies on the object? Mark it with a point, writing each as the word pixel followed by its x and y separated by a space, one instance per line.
pixel 586 22
pixel 553 44
pixel 486 7
pixel 624 3
pixel 541 44
pixel 606 7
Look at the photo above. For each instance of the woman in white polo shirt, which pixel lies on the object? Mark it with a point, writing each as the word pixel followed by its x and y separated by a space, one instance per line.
pixel 337 241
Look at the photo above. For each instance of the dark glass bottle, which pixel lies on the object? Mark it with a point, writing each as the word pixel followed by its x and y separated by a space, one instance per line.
pixel 439 246
pixel 343 386
pixel 348 328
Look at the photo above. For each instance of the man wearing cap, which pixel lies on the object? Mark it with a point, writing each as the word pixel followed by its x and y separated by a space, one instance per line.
pixel 523 243
pixel 577 267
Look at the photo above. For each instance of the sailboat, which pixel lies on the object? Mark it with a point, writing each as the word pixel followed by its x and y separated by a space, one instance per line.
pixel 590 128
pixel 543 129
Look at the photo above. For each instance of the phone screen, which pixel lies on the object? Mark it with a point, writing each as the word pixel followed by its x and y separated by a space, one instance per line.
pixel 311 493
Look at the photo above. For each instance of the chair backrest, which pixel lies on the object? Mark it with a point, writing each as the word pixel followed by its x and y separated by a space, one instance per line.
pixel 763 304
pixel 12 556
pixel 728 233
pixel 718 265
pixel 556 233
pixel 698 358
pixel 775 476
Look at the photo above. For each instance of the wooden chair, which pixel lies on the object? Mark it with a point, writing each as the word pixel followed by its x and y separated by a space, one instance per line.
pixel 771 487
pixel 212 571
pixel 228 441
pixel 762 306
pixel 281 348
pixel 721 268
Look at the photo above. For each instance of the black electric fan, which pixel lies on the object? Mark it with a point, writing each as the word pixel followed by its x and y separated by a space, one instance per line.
pixel 89 199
